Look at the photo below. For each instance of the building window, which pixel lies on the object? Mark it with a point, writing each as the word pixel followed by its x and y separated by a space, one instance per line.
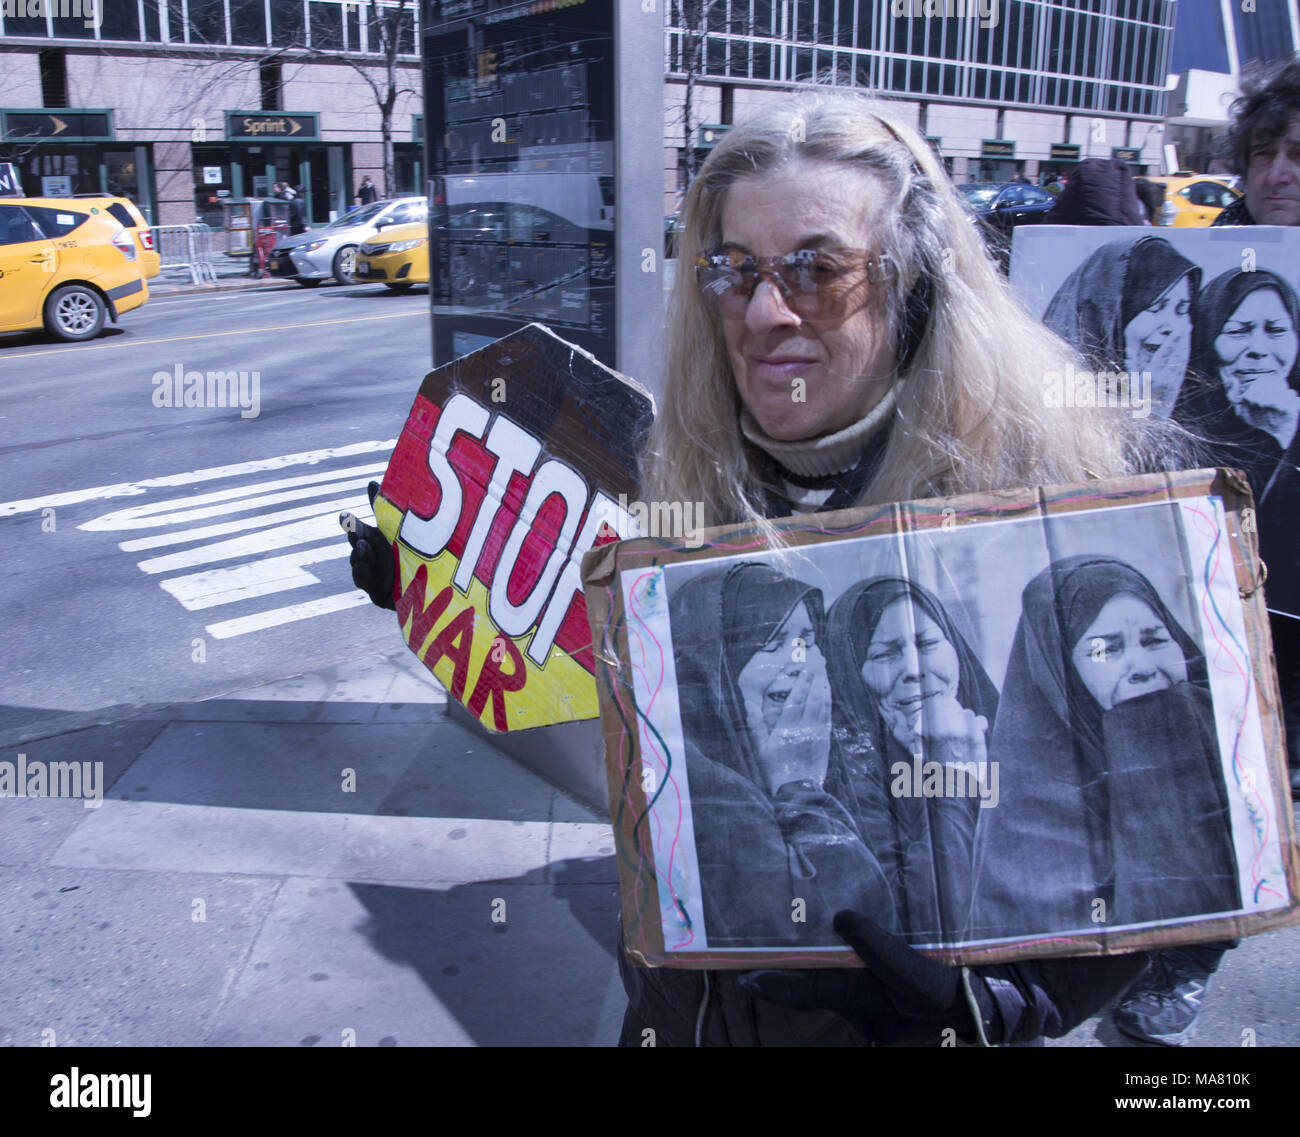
pixel 54 78
pixel 207 23
pixel 287 26
pixel 248 23
pixel 272 81
pixel 326 25
pixel 25 26
pixel 120 21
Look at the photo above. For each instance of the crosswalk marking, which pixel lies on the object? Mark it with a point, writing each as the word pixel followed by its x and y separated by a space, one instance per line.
pixel 213 473
pixel 232 501
pixel 272 549
pixel 358 504
pixel 261 578
pixel 260 621
pixel 278 537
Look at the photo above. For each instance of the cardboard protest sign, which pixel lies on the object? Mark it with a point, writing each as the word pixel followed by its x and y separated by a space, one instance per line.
pixel 1034 722
pixel 1199 324
pixel 510 467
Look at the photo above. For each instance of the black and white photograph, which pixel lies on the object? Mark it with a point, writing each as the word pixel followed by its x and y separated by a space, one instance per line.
pixel 986 735
pixel 1198 325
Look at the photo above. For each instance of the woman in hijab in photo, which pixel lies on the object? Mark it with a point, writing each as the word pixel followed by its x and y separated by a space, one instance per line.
pixel 1242 393
pixel 1113 806
pixel 905 682
pixel 756 715
pixel 1244 399
pixel 1128 307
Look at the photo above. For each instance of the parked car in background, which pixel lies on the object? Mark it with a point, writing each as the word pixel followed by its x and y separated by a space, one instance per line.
pixel 331 250
pixel 397 258
pixel 1196 200
pixel 66 266
pixel 999 207
pixel 129 216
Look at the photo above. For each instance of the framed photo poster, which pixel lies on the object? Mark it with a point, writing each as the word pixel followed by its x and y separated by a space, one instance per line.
pixel 1035 722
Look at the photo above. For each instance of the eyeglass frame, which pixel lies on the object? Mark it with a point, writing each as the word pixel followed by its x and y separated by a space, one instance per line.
pixel 878 266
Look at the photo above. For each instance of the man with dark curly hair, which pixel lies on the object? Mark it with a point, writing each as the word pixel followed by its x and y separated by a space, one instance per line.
pixel 1263 146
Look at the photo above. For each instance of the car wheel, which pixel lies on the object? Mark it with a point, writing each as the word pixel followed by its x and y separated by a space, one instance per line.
pixel 400 286
pixel 345 260
pixel 308 283
pixel 74 312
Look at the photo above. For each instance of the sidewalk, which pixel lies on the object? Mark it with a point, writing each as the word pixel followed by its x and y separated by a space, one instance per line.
pixel 334 853
pixel 306 858
pixel 231 272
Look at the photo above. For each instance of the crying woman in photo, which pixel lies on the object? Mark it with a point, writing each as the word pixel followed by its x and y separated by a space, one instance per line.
pixel 762 767
pixel 1128 308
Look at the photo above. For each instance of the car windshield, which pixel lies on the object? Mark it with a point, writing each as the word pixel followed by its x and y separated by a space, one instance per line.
pixel 978 196
pixel 359 216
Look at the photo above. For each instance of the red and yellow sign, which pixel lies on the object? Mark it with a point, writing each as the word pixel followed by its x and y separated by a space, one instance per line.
pixel 509 468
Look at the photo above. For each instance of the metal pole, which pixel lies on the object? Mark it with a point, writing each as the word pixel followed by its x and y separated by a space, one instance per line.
pixel 639 191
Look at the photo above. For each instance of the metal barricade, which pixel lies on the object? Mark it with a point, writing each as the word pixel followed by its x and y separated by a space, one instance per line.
pixel 186 247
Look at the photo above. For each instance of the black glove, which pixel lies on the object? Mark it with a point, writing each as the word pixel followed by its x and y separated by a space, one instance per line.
pixel 372 556
pixel 903 997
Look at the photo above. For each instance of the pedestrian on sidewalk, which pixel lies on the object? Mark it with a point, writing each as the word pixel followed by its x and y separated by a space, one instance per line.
pixel 366 192
pixel 1100 192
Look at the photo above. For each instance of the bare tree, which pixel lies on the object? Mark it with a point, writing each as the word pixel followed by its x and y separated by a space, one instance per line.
pixel 390 24
pixel 696 19
pixel 387 25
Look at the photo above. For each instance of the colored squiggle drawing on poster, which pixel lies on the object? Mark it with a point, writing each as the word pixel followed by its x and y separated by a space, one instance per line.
pixel 1215 620
pixel 646 582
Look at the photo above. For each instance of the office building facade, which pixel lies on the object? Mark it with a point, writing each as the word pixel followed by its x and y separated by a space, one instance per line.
pixel 1000 87
pixel 181 104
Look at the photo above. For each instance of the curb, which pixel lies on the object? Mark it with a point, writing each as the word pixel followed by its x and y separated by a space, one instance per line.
pixel 74 721
pixel 191 289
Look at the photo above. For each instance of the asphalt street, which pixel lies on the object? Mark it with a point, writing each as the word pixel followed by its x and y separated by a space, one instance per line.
pixel 124 590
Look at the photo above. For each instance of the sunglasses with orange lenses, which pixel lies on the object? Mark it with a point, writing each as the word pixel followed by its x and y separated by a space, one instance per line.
pixel 815 284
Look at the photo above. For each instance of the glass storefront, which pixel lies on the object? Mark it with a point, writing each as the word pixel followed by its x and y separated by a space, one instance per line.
pixel 52 169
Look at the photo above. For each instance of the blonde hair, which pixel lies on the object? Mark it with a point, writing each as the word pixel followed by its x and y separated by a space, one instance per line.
pixel 970 413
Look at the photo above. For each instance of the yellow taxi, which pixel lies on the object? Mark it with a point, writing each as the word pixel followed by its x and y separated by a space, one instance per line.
pixel 1195 200
pixel 397 256
pixel 129 215
pixel 66 266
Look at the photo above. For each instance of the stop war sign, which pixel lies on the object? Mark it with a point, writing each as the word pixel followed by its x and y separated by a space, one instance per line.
pixel 510 467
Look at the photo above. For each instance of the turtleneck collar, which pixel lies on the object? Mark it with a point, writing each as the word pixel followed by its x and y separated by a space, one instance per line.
pixel 832 453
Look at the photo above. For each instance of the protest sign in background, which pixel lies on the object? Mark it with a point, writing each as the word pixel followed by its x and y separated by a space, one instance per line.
pixel 1201 325
pixel 509 468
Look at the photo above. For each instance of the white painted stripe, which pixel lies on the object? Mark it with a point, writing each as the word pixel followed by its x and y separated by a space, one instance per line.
pixel 238 505
pixel 261 578
pixel 305 611
pixel 182 509
pixel 296 533
pixel 130 489
pixel 360 506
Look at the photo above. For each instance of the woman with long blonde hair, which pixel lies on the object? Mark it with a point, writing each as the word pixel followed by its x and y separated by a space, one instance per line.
pixel 962 408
